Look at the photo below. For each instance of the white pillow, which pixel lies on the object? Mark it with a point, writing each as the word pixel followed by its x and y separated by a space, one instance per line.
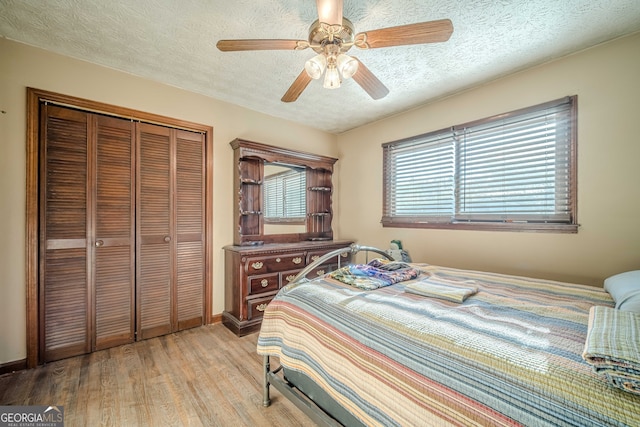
pixel 624 288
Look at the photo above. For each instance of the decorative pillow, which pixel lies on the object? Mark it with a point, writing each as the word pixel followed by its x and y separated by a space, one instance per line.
pixel 624 288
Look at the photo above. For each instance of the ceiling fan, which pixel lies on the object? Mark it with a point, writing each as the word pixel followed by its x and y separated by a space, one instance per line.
pixel 330 36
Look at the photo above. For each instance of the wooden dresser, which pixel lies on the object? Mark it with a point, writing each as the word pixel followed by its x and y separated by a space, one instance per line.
pixel 254 274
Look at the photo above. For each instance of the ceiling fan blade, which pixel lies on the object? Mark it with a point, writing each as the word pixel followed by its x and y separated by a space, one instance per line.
pixel 423 32
pixel 330 11
pixel 261 44
pixel 299 85
pixel 369 82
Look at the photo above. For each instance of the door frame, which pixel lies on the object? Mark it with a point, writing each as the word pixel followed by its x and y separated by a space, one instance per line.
pixel 34 98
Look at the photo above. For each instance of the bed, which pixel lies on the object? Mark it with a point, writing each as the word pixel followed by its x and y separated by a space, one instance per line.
pixel 509 352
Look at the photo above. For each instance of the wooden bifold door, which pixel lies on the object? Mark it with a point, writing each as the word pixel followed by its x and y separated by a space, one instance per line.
pixel 122 231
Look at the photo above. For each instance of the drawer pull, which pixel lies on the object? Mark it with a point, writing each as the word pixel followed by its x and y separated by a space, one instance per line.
pixel 320 272
pixel 290 277
pixel 264 283
pixel 261 307
pixel 315 257
pixel 278 260
pixel 257 265
pixel 297 260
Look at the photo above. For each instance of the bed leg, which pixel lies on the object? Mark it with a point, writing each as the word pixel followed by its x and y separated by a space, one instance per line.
pixel 266 401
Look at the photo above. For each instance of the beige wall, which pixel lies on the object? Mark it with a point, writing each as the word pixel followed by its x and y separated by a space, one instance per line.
pixel 22 66
pixel 607 81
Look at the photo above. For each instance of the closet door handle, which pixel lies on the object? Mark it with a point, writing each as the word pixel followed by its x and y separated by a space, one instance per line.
pixel 167 239
pixel 99 243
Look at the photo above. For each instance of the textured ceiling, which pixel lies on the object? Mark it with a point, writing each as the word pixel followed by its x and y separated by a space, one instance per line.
pixel 174 42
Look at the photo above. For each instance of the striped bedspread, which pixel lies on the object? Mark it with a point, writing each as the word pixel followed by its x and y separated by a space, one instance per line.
pixel 509 355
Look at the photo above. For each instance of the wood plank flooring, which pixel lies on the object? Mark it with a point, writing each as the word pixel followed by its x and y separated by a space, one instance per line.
pixel 200 377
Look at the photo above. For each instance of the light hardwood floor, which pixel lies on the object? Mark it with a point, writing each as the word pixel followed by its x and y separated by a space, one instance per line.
pixel 200 377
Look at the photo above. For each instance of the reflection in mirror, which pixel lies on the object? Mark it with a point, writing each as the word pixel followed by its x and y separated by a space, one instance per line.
pixel 284 199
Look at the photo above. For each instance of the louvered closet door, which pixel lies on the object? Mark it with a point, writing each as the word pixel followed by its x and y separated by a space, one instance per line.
pixel 170 230
pixel 121 231
pixel 190 228
pixel 64 251
pixel 156 253
pixel 87 230
pixel 114 238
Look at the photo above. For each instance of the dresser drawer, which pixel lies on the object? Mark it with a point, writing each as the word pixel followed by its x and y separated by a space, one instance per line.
pixel 272 264
pixel 288 276
pixel 314 255
pixel 264 283
pixel 321 270
pixel 257 306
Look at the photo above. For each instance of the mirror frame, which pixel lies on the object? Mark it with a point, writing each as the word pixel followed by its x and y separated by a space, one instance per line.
pixel 248 190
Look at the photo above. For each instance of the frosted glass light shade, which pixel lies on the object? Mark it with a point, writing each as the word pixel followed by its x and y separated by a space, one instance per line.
pixel 315 66
pixel 347 65
pixel 331 78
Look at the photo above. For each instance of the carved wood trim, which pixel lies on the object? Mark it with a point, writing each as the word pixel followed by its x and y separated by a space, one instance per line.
pixel 282 155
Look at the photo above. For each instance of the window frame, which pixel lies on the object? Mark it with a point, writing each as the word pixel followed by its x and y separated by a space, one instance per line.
pixel 452 222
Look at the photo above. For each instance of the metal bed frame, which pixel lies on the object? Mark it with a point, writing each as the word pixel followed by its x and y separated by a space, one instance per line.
pixel 276 377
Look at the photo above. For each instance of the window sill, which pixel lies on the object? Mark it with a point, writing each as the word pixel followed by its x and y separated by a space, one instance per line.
pixel 284 221
pixel 533 227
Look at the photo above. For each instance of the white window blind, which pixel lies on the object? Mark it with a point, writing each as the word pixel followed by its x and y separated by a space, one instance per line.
pixel 273 198
pixel 513 168
pixel 423 178
pixel 285 196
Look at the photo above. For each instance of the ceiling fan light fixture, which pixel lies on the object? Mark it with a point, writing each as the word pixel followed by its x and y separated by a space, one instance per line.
pixel 331 36
pixel 331 78
pixel 347 65
pixel 315 66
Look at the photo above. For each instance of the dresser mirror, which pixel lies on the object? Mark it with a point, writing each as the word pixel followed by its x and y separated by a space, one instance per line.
pixel 284 201
pixel 264 211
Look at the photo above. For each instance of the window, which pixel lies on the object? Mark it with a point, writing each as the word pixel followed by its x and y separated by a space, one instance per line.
pixel 285 196
pixel 514 171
